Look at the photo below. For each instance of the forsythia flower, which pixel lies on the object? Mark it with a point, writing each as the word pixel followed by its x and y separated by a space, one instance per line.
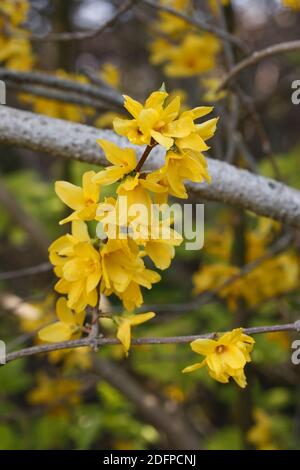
pixel 68 326
pixel 155 121
pixel 110 74
pixel 125 323
pixel 84 201
pixel 196 54
pixel 124 272
pixel 294 4
pixel 78 265
pixel 171 25
pixel 225 357
pixel 124 161
pixel 260 434
pixel 56 393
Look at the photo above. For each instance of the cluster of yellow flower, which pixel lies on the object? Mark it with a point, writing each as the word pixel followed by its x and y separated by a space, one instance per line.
pixel 15 52
pixel 270 278
pixel 181 48
pixel 115 263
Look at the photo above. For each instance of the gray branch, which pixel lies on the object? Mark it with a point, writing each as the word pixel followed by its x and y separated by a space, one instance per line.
pixel 230 185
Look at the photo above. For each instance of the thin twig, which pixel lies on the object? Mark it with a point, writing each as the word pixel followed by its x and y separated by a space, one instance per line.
pixel 109 96
pixel 40 268
pixel 78 343
pixel 57 95
pixel 257 57
pixel 77 35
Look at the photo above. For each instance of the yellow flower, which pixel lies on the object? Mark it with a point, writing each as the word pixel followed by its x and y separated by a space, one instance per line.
pixel 155 121
pixel 260 434
pixel 211 86
pixel 293 4
pixel 110 74
pixel 55 392
pixel 196 54
pixel 16 53
pixel 137 189
pixel 84 201
pixel 124 272
pixel 78 265
pixel 225 357
pixel 15 10
pixel 171 25
pixel 68 326
pixel 125 324
pixel 181 166
pixel 123 160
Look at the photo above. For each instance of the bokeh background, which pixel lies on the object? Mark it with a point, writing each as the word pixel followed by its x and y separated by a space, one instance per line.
pixel 66 400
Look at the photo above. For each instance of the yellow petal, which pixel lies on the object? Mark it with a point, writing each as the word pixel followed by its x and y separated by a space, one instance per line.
pixel 156 100
pixel 56 332
pixel 124 335
pixel 193 367
pixel 70 194
pixel 80 231
pixel 203 346
pixel 90 189
pixel 161 139
pixel 132 106
pixel 63 312
pixel 141 318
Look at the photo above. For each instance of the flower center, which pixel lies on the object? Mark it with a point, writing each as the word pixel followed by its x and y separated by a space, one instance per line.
pixel 159 125
pixel 89 202
pixel 220 349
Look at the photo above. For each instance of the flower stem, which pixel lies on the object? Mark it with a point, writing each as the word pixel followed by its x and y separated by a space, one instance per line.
pixel 144 157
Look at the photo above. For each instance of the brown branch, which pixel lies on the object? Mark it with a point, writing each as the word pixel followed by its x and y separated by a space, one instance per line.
pixel 109 96
pixel 41 268
pixel 57 95
pixel 173 425
pixel 231 185
pixel 78 35
pixel 88 341
pixel 257 57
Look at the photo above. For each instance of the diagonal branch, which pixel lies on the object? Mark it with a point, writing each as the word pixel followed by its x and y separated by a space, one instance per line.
pixel 231 185
pixel 256 57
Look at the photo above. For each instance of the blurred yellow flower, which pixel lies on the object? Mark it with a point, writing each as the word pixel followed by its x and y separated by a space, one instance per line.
pixel 110 74
pixel 294 4
pixel 84 201
pixel 225 357
pixel 55 393
pixel 194 55
pixel 68 326
pixel 125 323
pixel 260 434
